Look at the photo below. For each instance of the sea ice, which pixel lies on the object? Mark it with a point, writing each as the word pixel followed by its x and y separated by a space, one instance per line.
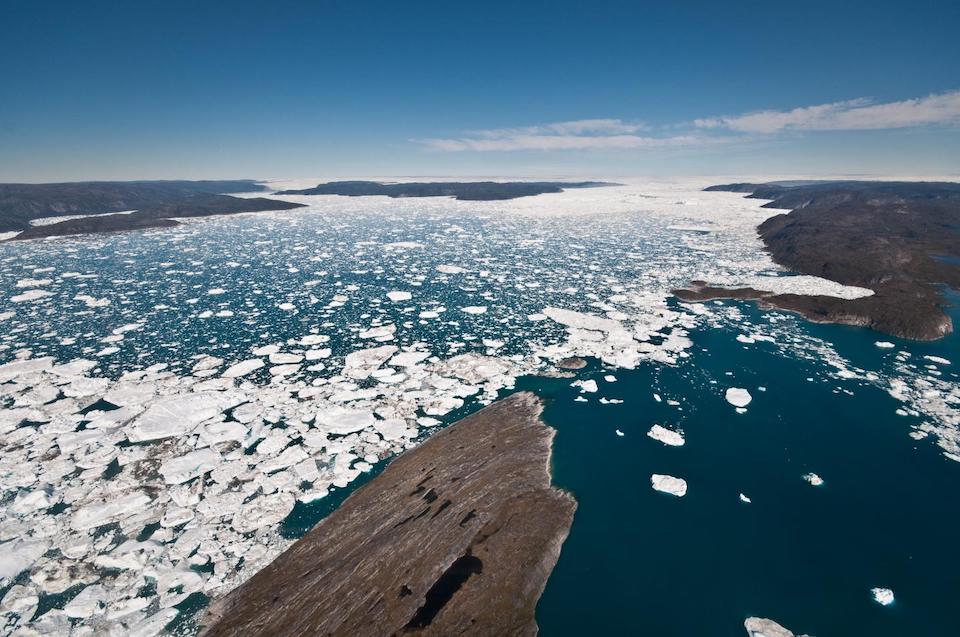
pixel 189 466
pixel 883 596
pixel 669 484
pixel 342 420
pixel 738 397
pixel 243 368
pixel 813 479
pixel 30 295
pixel 666 436
pixel 586 386
pixel 177 415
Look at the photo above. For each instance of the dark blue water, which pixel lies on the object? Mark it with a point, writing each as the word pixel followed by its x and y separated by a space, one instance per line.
pixel 642 562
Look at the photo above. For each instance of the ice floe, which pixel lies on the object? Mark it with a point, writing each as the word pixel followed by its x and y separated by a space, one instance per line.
pixel 883 596
pixel 669 484
pixel 738 397
pixel 666 436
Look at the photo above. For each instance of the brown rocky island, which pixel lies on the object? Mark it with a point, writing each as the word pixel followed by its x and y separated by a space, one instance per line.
pixel 456 536
pixel 900 239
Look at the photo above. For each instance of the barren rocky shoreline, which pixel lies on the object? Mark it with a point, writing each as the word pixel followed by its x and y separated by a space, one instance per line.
pixel 890 237
pixel 456 536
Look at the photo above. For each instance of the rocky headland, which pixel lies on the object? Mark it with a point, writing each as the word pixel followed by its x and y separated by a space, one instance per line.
pixel 456 536
pixel 900 239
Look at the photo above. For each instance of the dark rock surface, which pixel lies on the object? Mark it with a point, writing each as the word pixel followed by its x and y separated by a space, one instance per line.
pixel 155 202
pixel 886 236
pixel 159 217
pixel 456 536
pixel 573 362
pixel 464 191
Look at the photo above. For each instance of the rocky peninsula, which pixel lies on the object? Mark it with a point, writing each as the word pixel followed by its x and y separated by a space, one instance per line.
pixel 899 239
pixel 463 191
pixel 456 535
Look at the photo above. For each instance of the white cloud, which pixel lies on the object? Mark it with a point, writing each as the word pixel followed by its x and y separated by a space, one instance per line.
pixel 584 134
pixel 575 127
pixel 560 142
pixel 616 134
pixel 858 114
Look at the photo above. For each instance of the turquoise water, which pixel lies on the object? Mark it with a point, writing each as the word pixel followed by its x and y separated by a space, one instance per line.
pixel 642 562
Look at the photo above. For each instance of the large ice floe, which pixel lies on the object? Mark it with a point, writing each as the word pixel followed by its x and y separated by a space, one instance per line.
pixel 170 398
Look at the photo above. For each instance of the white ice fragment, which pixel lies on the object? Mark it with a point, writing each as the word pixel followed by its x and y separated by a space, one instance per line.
pixel 243 368
pixel 264 511
pixel 396 296
pixel 382 332
pixel 30 295
pixel 619 433
pixel 582 321
pixel 666 436
pixel 408 359
pixel 342 420
pixel 885 344
pixel 669 484
pixel 745 499
pixel 883 596
pixel 176 415
pixel 189 466
pixel 813 479
pixel 586 386
pixel 362 363
pixel 283 358
pixel 86 603
pixel 474 309
pixel 113 509
pixel 18 555
pixel 738 397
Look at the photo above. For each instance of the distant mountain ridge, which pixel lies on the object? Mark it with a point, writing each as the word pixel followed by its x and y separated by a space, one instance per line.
pixel 156 204
pixel 460 190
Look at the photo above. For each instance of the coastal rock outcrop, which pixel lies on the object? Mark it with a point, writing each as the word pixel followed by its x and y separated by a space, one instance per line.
pixel 898 239
pixel 457 535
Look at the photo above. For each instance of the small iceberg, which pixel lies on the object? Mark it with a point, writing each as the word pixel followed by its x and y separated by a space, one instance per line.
pixel 883 596
pixel 620 433
pixel 666 436
pixel 745 499
pixel 813 479
pixel 669 484
pixel 738 397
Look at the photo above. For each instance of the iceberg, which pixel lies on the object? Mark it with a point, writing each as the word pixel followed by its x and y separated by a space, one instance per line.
pixel 669 484
pixel 666 436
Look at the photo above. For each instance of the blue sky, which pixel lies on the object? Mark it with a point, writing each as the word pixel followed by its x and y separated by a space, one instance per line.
pixel 120 90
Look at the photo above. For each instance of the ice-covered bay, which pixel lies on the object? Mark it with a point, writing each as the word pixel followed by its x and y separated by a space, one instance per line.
pixel 170 396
